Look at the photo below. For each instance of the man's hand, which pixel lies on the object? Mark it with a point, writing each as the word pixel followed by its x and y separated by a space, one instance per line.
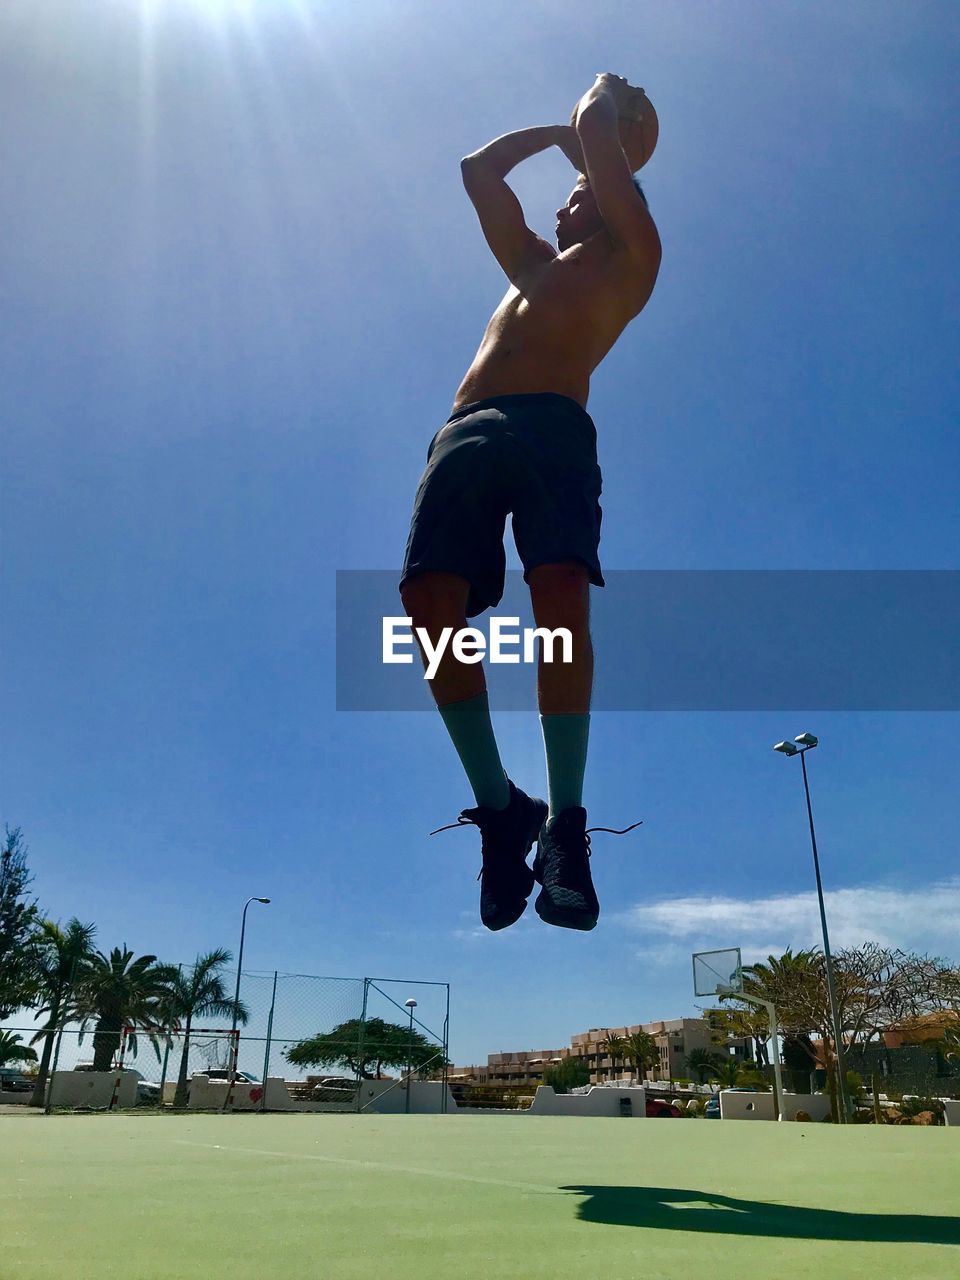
pixel 569 144
pixel 630 102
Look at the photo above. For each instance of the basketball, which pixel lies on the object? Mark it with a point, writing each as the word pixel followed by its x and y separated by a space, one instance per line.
pixel 638 125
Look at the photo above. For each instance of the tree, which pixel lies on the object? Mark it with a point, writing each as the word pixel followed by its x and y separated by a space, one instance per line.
pixel 360 1046
pixel 11 1050
pixel 731 1074
pixel 117 993
pixel 616 1047
pixel 742 1022
pixel 57 959
pixel 572 1073
pixel 880 988
pixel 18 919
pixel 197 993
pixel 799 1057
pixel 702 1061
pixel 641 1049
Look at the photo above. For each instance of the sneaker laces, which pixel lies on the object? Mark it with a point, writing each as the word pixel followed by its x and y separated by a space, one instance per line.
pixel 560 851
pixel 615 831
pixel 462 821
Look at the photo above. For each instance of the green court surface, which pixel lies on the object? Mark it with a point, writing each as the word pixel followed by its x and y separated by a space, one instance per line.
pixel 398 1197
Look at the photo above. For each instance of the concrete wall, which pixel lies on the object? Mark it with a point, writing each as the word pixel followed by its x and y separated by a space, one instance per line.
pixel 210 1095
pixel 91 1089
pixel 746 1106
pixel 598 1102
pixel 951 1112
pixel 11 1099
pixel 386 1097
pixel 816 1105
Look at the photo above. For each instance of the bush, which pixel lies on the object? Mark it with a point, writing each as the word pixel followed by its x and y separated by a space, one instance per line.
pixel 571 1074
pixel 854 1082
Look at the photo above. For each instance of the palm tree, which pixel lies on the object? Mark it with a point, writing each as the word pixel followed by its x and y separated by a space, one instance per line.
pixel 58 959
pixel 728 1073
pixel 616 1047
pixel 11 1050
pixel 702 1061
pixel 641 1049
pixel 194 994
pixel 795 984
pixel 116 994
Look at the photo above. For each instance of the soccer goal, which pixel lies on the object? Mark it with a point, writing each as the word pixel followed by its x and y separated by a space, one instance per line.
pixel 205 1049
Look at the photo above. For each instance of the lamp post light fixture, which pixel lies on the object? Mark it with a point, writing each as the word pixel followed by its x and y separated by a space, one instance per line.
pixel 801 744
pixel 411 1005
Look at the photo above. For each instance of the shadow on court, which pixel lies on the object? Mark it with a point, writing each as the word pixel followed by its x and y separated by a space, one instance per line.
pixel 680 1209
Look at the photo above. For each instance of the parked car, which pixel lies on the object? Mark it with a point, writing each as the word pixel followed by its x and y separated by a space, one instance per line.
pixel 218 1073
pixel 15 1081
pixel 660 1108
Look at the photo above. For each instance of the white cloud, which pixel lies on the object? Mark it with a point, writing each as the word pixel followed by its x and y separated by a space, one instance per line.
pixel 921 918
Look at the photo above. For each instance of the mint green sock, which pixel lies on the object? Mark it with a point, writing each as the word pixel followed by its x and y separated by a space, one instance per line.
pixel 469 725
pixel 565 742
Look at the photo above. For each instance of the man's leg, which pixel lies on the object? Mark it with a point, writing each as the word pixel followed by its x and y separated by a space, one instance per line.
pixel 509 820
pixel 434 601
pixel 560 594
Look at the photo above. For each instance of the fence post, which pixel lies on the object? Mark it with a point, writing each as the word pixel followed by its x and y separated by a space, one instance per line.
pixel 266 1052
pixel 446 1045
pixel 361 1043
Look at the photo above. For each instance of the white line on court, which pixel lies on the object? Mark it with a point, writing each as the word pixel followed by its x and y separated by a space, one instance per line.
pixel 371 1165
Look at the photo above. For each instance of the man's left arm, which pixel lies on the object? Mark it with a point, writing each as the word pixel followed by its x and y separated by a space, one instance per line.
pixel 624 213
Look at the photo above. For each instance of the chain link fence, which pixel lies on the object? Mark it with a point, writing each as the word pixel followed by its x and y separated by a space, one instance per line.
pixel 292 1042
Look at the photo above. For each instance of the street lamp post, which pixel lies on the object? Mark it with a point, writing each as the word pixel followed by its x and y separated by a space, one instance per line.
pixel 806 742
pixel 411 1005
pixel 236 994
pixel 232 1073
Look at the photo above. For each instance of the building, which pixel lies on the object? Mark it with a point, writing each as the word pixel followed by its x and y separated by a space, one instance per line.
pixel 675 1038
pixel 523 1068
pixel 464 1075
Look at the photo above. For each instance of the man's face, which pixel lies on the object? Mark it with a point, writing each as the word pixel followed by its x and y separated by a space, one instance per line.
pixel 579 218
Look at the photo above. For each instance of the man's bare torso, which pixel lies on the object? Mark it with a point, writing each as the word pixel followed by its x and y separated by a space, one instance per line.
pixel 558 321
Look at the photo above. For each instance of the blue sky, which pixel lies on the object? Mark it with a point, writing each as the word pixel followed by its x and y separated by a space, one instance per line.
pixel 243 283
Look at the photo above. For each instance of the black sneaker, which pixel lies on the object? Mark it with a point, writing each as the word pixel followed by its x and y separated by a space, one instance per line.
pixel 562 865
pixel 508 835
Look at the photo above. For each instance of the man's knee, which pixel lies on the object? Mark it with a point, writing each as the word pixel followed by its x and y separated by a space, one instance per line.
pixel 560 591
pixel 435 598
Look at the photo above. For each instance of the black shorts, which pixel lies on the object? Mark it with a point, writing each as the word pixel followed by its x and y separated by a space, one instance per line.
pixel 534 455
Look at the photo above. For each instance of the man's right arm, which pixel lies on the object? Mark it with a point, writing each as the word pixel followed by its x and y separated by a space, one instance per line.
pixel 625 215
pixel 511 241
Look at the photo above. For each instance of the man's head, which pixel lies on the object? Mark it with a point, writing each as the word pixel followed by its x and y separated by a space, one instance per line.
pixel 580 217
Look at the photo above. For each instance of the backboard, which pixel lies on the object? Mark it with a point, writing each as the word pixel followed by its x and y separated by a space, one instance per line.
pixel 717 973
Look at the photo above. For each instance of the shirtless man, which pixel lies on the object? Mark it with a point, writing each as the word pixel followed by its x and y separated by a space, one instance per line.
pixel 519 439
